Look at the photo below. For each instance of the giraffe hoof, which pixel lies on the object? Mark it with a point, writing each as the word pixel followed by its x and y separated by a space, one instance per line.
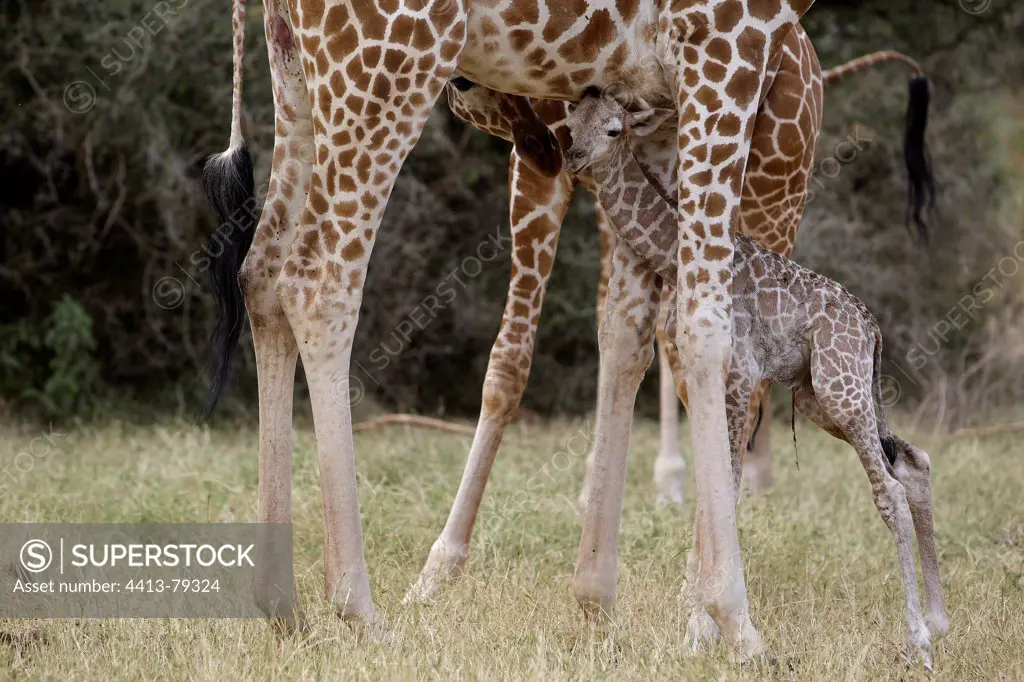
pixel 373 631
pixel 919 646
pixel 701 631
pixel 445 565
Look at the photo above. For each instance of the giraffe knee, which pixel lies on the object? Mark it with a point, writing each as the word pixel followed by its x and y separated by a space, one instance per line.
pixel 891 501
pixel 626 354
pixel 505 384
pixel 256 279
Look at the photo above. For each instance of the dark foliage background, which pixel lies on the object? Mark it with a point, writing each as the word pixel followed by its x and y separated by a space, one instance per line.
pixel 109 111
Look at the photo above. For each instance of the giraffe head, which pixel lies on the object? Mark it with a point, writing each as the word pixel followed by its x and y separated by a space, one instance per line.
pixel 599 123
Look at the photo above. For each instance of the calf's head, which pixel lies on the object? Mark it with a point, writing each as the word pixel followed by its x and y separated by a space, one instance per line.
pixel 599 124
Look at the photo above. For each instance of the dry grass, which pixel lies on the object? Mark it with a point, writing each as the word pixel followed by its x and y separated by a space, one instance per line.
pixel 821 566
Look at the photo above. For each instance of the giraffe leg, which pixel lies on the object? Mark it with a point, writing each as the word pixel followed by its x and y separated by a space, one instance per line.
pixel 758 463
pixel 369 107
pixel 608 240
pixel 851 409
pixel 538 206
pixel 775 190
pixel 719 61
pixel 274 342
pixel 912 468
pixel 669 467
pixel 702 630
pixel 626 343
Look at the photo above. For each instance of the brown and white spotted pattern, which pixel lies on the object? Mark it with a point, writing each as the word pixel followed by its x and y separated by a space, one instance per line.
pixel 371 71
pixel 790 326
pixel 785 134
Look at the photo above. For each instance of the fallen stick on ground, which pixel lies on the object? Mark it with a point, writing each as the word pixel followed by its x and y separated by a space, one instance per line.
pixel 976 431
pixel 412 420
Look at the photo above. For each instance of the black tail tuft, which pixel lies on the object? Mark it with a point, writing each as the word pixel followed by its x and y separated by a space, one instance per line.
pixel 891 447
pixel 228 180
pixel 921 191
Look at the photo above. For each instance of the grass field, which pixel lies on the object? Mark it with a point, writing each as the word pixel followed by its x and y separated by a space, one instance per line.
pixel 821 566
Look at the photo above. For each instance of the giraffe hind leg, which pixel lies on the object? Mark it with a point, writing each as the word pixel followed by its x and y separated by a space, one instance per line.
pixel 273 340
pixel 851 409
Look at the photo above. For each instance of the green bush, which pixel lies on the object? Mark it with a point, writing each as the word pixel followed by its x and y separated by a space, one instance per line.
pixel 52 367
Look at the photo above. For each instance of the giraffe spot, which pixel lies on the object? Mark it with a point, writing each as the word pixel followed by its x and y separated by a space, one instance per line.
pixel 317 201
pixel 522 12
pixel 372 23
pixel 354 250
pixel 717 253
pixel 330 234
pixel 627 9
pixel 728 15
pixel 381 87
pixel 743 86
pixel 323 97
pixel 363 166
pixel 582 76
pixel 765 9
pixel 721 153
pixel 585 46
pixel 354 104
pixel 401 30
pixel 559 21
pixel 342 44
pixel 751 46
pixel 714 72
pixel 449 49
pixel 312 12
pixel 337 17
pixel 715 205
pixel 729 125
pixel 346 209
pixel 422 35
pixel 708 97
pixel 346 183
pixel 393 60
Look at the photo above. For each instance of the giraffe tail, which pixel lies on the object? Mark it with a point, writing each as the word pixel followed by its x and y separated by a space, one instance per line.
pixel 921 188
pixel 891 444
pixel 228 181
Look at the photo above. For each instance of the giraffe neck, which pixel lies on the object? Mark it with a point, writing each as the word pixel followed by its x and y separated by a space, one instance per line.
pixel 638 209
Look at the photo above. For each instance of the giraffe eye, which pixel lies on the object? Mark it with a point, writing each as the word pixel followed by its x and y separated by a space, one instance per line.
pixel 614 132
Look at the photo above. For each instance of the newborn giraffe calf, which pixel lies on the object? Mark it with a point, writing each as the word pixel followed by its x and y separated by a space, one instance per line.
pixel 790 326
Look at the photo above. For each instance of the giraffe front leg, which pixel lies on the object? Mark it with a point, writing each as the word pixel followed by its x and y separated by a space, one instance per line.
pixel 626 350
pixel 538 205
pixel 369 108
pixel 719 60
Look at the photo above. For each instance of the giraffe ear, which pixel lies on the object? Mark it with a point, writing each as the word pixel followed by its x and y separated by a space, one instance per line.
pixel 645 122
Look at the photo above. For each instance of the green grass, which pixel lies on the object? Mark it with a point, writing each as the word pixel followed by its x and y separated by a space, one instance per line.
pixel 820 565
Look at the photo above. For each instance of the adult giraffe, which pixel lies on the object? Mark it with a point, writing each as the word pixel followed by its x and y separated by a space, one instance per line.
pixel 359 78
pixel 783 145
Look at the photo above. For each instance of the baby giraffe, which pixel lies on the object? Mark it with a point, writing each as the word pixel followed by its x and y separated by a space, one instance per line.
pixel 790 326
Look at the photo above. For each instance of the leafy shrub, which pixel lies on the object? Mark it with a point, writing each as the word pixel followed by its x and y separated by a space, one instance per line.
pixel 51 367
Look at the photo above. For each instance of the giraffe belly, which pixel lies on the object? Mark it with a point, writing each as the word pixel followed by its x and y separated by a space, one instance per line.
pixel 548 50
